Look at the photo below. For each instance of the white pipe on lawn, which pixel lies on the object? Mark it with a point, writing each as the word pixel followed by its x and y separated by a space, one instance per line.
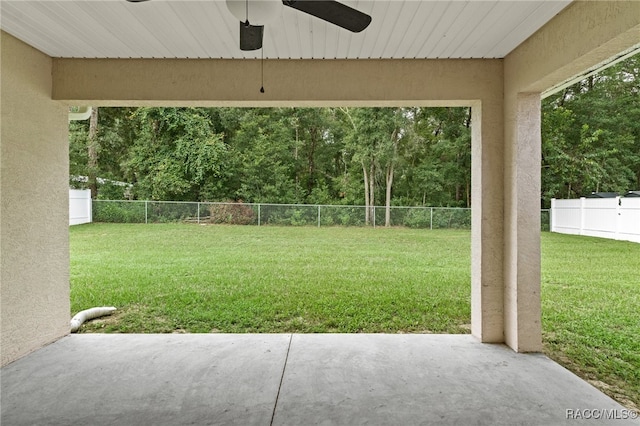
pixel 89 314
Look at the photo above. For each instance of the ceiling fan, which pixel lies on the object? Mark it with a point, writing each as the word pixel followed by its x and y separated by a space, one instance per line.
pixel 252 14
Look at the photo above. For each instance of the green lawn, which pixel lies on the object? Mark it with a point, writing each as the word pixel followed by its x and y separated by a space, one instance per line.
pixel 204 279
pixel 191 278
pixel 591 311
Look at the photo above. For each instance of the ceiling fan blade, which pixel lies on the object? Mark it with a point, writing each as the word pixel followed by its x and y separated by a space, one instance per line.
pixel 136 1
pixel 251 36
pixel 334 12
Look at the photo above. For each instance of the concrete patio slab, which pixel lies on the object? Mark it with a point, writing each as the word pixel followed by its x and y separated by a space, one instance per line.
pixel 133 379
pixel 427 380
pixel 300 379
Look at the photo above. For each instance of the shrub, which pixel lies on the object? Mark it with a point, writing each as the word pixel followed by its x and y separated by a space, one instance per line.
pixel 167 212
pixel 114 212
pixel 417 218
pixel 232 214
pixel 452 219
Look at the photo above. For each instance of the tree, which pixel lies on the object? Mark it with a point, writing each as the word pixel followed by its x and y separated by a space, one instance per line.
pixel 175 154
pixel 97 149
pixel 591 134
pixel 362 151
pixel 92 153
pixel 436 157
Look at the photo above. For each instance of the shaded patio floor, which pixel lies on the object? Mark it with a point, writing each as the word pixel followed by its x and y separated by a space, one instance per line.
pixel 292 379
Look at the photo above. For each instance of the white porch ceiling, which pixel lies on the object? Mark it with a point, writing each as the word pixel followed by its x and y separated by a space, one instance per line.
pixel 206 29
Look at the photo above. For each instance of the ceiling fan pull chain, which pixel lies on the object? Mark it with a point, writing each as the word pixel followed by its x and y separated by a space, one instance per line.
pixel 262 70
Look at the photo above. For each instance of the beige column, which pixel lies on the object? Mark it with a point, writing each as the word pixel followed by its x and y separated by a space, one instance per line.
pixel 486 221
pixel 522 223
pixel 34 212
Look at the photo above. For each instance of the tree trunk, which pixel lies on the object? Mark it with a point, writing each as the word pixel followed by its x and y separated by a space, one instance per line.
pixel 295 157
pixel 94 146
pixel 387 210
pixel 311 165
pixel 367 218
pixel 389 181
pixel 372 187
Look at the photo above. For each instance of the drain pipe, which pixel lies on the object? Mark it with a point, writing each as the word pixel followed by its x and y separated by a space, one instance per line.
pixel 83 113
pixel 89 314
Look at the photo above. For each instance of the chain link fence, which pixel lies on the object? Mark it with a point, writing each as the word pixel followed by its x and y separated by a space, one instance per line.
pixel 282 214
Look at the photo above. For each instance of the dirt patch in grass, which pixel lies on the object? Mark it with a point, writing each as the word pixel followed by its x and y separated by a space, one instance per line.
pixel 99 325
pixel 614 392
pixel 129 319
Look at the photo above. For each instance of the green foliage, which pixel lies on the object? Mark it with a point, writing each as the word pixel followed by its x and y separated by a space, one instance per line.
pixel 166 212
pixel 591 135
pixel 274 155
pixel 590 142
pixel 342 216
pixel 451 219
pixel 417 218
pixel 118 212
pixel 114 134
pixel 112 191
pixel 175 154
pixel 78 142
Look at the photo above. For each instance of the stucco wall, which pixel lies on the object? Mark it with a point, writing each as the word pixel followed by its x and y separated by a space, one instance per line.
pixel 487 154
pixel 211 82
pixel 584 36
pixel 523 154
pixel 34 248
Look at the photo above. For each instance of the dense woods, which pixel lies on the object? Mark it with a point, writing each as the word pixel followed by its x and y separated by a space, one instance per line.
pixel 356 156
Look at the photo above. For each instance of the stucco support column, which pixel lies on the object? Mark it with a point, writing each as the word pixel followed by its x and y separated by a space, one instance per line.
pixel 522 223
pixel 487 156
pixel 34 200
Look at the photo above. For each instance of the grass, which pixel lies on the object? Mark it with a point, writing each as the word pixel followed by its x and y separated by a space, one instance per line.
pixel 202 279
pixel 190 278
pixel 591 311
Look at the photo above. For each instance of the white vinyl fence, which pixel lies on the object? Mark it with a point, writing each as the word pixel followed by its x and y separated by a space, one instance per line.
pixel 80 206
pixel 614 218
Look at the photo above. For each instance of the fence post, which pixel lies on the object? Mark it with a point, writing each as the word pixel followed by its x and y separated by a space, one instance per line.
pixel 618 217
pixel 552 212
pixel 431 219
pixel 318 216
pixel 374 216
pixel 90 206
pixel 583 201
pixel 258 214
pixel 146 209
pixel 198 212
